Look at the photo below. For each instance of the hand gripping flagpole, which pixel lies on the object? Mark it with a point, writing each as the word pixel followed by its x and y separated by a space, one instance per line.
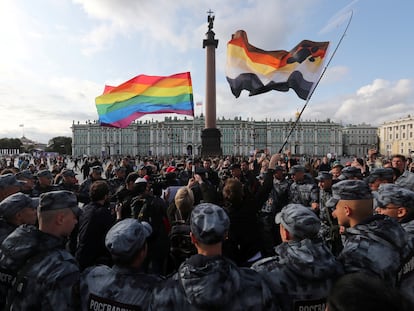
pixel 316 84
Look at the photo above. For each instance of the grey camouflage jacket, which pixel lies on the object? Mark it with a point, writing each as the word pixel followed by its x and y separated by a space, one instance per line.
pixel 50 272
pixel 305 192
pixel 213 283
pixel 106 288
pixel 406 275
pixel 378 246
pixel 301 274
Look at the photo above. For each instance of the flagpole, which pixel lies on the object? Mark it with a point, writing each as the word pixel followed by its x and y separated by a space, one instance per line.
pixel 316 84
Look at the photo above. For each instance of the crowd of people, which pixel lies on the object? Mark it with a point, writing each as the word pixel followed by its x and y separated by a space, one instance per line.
pixel 262 232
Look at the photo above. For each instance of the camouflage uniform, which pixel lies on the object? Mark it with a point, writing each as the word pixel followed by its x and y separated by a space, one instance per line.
pixel 277 198
pixel 9 207
pixel 50 271
pixel 378 246
pixel 401 198
pixel 406 282
pixel 303 270
pixel 121 286
pixel 406 180
pixel 303 192
pixel 212 282
pixel 5 229
pixel 329 226
pixel 39 189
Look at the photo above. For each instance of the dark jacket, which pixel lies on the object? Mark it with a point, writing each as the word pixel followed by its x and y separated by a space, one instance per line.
pixel 94 223
pixel 243 237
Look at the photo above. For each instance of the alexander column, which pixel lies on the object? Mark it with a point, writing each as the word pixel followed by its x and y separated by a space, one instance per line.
pixel 210 136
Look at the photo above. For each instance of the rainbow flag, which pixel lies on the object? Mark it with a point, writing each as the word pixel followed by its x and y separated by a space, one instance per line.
pixel 258 71
pixel 119 105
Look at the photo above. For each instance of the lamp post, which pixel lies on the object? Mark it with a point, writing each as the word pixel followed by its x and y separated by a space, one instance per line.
pixel 253 136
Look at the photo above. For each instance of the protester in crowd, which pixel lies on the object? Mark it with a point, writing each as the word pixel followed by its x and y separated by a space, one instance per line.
pixel 187 173
pixel 94 223
pixel 405 178
pixel 336 170
pixel 242 244
pixel 117 180
pixel 147 207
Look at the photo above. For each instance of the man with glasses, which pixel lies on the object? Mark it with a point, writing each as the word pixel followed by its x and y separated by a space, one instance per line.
pixel 398 203
pixel 374 244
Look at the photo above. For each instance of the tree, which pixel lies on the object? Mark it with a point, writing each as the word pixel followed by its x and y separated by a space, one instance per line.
pixel 61 145
pixel 10 143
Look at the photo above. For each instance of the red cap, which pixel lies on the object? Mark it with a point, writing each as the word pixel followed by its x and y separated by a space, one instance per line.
pixel 170 169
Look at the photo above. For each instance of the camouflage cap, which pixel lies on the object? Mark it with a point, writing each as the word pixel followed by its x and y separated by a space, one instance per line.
pixel 55 200
pixel 9 180
pixel 382 173
pixel 323 176
pixel 25 174
pixel 126 237
pixel 15 203
pixel 350 172
pixel 296 169
pixel 394 194
pixel 349 190
pixel 209 223
pixel 68 172
pixel 44 173
pixel 299 220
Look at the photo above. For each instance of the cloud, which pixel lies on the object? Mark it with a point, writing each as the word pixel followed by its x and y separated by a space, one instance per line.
pixel 374 103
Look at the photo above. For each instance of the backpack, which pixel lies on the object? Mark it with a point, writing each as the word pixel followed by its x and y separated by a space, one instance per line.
pixel 181 246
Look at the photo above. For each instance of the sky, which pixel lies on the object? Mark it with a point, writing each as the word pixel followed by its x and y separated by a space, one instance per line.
pixel 57 55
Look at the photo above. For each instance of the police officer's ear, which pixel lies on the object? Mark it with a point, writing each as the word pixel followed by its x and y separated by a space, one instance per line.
pixel 193 238
pixel 284 234
pixel 401 212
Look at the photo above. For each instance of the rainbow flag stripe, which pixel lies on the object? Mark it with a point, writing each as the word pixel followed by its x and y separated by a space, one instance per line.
pixel 258 71
pixel 119 106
